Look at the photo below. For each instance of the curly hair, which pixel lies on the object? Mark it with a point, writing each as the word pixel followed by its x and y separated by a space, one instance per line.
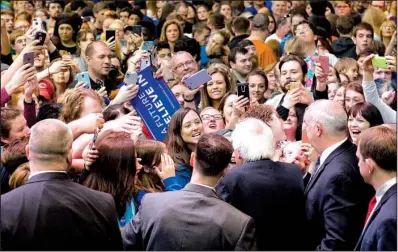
pixel 73 100
pixel 261 112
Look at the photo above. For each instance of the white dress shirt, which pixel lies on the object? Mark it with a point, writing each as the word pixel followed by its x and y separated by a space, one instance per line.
pixel 380 193
pixel 326 153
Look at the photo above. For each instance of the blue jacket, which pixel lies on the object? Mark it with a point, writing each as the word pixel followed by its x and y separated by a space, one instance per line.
pixel 380 232
pixel 176 183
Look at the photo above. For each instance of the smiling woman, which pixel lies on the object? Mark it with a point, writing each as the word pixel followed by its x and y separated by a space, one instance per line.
pixel 184 131
pixel 361 117
pixel 221 82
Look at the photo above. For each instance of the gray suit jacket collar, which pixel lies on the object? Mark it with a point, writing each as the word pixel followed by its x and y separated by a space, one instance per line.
pixel 200 189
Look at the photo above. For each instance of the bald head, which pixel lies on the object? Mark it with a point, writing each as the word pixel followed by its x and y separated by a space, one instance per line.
pixel 330 114
pixel 94 46
pixel 50 141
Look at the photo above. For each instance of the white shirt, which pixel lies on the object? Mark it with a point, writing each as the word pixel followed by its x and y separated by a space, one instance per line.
pixel 380 193
pixel 40 172
pixel 273 36
pixel 326 153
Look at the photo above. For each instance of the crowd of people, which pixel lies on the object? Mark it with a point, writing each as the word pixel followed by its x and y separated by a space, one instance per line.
pixel 307 160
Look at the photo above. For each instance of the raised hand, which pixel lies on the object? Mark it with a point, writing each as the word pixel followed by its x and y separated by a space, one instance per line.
pixel 167 168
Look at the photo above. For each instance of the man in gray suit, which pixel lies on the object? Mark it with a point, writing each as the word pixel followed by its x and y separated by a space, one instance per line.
pixel 193 218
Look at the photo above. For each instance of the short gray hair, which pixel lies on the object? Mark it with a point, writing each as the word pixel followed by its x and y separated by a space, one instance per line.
pixel 330 114
pixel 50 140
pixel 253 139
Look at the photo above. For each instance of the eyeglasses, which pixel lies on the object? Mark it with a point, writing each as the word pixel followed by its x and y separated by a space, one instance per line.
pixel 186 64
pixel 209 117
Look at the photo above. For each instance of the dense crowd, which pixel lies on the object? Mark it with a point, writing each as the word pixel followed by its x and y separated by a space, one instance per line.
pixel 284 137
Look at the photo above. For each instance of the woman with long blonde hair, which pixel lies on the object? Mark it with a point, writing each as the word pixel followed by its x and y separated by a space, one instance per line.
pixel 375 17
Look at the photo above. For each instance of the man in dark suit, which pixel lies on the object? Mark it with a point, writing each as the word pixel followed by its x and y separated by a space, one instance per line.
pixel 336 195
pixel 50 212
pixel 272 193
pixel 193 218
pixel 377 154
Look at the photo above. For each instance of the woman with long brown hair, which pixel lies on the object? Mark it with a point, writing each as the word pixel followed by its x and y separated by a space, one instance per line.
pixel 184 131
pixel 114 171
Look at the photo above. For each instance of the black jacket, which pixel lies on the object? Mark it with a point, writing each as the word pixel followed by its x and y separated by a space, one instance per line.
pixel 272 193
pixel 344 48
pixel 235 41
pixel 51 212
pixel 336 202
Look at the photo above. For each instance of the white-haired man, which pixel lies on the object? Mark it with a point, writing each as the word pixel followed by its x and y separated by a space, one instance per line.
pixel 272 193
pixel 336 195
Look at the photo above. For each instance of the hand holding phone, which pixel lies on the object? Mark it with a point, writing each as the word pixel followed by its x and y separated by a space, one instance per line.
pixel 324 61
pixel 137 29
pixel 29 58
pixel 379 62
pixel 294 85
pixel 109 34
pixel 130 78
pixel 243 90
pixel 197 79
pixel 84 77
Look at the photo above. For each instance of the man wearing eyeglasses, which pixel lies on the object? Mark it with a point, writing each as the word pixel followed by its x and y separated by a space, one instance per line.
pixel 184 65
pixel 212 120
pixel 379 4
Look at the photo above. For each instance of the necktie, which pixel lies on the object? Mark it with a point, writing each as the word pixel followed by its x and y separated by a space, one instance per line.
pixel 372 204
pixel 317 164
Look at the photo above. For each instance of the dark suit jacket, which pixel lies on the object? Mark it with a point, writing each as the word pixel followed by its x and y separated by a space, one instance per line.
pixel 50 212
pixel 380 232
pixel 191 219
pixel 337 199
pixel 272 193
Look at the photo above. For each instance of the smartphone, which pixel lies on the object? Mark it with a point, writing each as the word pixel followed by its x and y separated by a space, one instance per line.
pixel 198 79
pixel 41 36
pixel 29 58
pixel 84 77
pixel 324 61
pixel 109 34
pixel 137 29
pixel 294 84
pixel 243 90
pixel 37 24
pixel 130 78
pixel 379 62
pixel 145 62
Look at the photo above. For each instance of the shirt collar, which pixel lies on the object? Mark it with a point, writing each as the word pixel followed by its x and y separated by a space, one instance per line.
pixel 326 153
pixel 212 188
pixel 384 188
pixel 41 172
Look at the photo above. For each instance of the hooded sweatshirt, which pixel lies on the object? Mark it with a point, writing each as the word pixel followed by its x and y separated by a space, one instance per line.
pixel 344 48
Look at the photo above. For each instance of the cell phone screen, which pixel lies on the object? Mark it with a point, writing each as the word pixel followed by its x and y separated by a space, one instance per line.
pixel 243 90
pixel 109 34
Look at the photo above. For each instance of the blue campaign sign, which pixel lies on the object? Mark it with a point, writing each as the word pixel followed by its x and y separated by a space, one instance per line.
pixel 155 103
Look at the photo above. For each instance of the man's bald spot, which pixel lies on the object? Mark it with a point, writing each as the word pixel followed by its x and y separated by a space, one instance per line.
pixel 91 48
pixel 50 137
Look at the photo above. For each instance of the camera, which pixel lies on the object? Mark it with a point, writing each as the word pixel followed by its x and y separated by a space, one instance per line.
pixel 113 73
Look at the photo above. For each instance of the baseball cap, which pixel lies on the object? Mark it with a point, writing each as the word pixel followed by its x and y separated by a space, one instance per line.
pixel 46 89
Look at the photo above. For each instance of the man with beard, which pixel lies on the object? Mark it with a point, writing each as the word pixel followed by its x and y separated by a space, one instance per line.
pixel 241 64
pixel 55 8
pixel 293 70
